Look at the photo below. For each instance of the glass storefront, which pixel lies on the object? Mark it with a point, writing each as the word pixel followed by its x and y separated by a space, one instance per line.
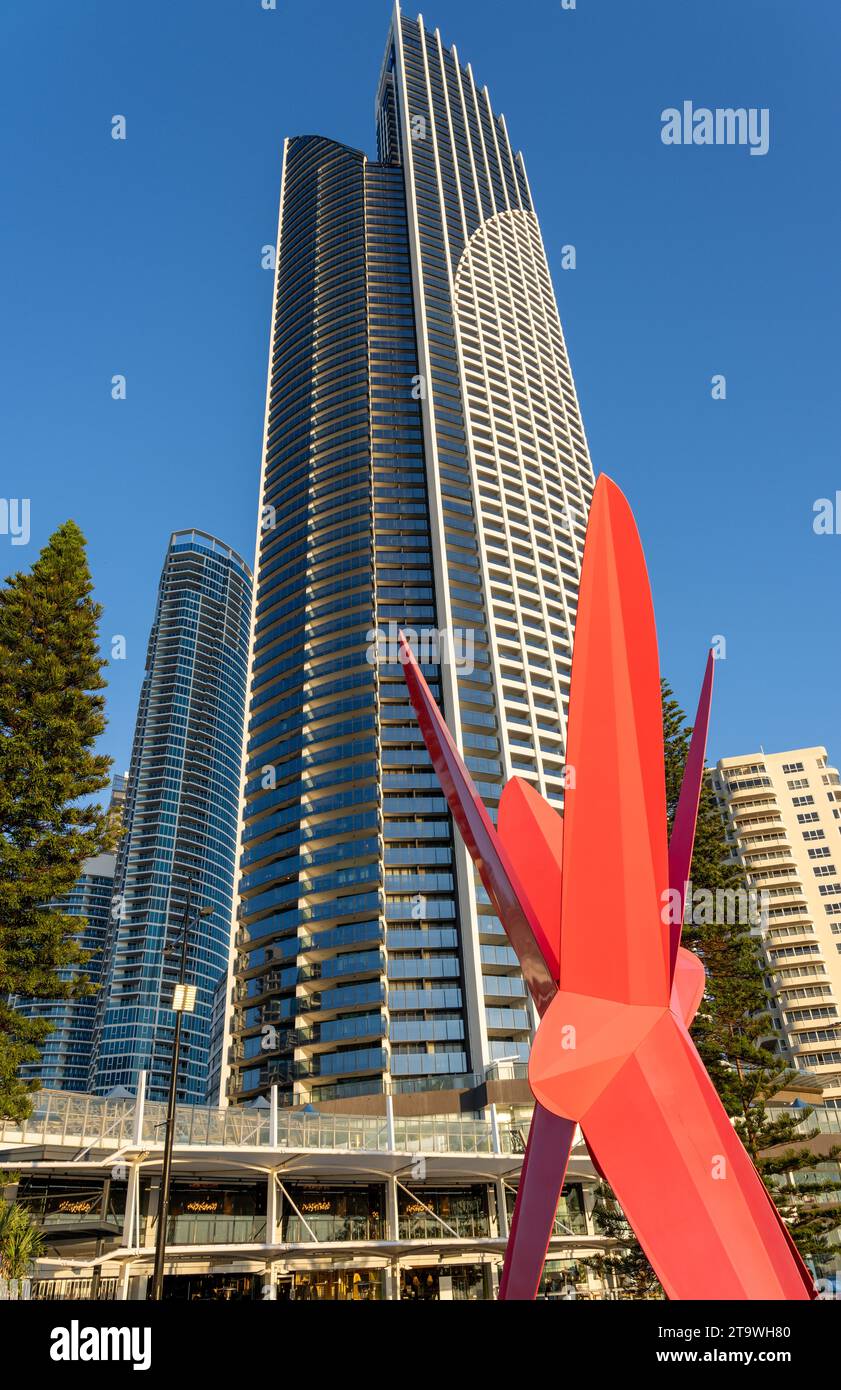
pixel 443 1282
pixel 562 1279
pixel 464 1210
pixel 231 1214
pixel 333 1213
pixel 76 1216
pixel 569 1219
pixel 334 1285
pixel 213 1288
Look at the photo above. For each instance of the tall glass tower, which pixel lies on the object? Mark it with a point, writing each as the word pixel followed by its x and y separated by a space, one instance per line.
pixel 66 1052
pixel 180 816
pixel 424 467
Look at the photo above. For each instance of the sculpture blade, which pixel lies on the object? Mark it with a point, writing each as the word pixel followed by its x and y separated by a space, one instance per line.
pixel 486 849
pixel 532 832
pixel 538 1194
pixel 685 1182
pixel 688 985
pixel 615 864
pixel 682 839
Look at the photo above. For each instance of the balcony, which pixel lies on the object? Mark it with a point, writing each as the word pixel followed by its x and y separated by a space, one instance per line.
pixel 343 997
pixel 353 964
pixel 66 1120
pixel 336 938
pixel 424 1226
pixel 356 1029
pixel 332 1064
pixel 332 1228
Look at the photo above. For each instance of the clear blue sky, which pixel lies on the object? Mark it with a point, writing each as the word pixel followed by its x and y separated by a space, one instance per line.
pixel 143 258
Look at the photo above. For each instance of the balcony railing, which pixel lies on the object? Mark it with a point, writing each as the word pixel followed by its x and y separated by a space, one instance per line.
pixel 216 1230
pixel 425 1226
pixel 332 1228
pixel 83 1123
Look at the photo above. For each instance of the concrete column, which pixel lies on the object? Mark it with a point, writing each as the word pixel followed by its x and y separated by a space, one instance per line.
pixel 273 1119
pixel 131 1236
pixel 96 1277
pixel 272 1210
pixel 391 1214
pixel 501 1209
pixel 392 1226
pixel 270 1282
pixel 139 1107
pixel 148 1228
pixel 495 1140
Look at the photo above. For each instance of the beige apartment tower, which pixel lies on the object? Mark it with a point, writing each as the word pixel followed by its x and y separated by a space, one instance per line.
pixel 783 815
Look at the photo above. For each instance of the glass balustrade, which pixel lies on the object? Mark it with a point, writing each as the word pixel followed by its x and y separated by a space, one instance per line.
pixel 85 1123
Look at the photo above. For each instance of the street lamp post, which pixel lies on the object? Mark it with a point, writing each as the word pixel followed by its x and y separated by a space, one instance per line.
pixel 183 1001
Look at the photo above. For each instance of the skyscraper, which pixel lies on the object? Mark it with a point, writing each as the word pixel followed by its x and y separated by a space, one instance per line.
pixel 180 816
pixel 66 1052
pixel 424 467
pixel 783 814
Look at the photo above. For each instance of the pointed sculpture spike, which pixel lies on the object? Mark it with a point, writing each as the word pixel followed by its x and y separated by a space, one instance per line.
pixel 486 849
pixel 613 1050
pixel 532 832
pixel 615 868
pixel 686 815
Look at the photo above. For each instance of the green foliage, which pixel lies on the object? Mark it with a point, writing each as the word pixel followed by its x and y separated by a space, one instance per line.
pixel 733 1034
pixel 50 717
pixel 733 1030
pixel 20 1241
pixel 623 1266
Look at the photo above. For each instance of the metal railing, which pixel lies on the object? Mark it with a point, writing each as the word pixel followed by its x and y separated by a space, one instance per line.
pixel 88 1123
pixel 216 1230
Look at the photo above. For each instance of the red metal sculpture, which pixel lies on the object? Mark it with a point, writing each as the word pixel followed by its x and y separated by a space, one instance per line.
pixel 581 899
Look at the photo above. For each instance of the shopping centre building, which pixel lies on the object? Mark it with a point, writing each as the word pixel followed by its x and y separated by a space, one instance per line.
pixel 407 1197
pixel 267 1202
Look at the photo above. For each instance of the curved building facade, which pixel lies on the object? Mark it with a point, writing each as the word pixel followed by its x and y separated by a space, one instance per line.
pixel 181 822
pixel 66 1052
pixel 424 468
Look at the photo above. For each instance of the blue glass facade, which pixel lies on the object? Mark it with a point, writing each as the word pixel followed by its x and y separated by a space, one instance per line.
pixel 333 759
pixel 66 1053
pixel 181 821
